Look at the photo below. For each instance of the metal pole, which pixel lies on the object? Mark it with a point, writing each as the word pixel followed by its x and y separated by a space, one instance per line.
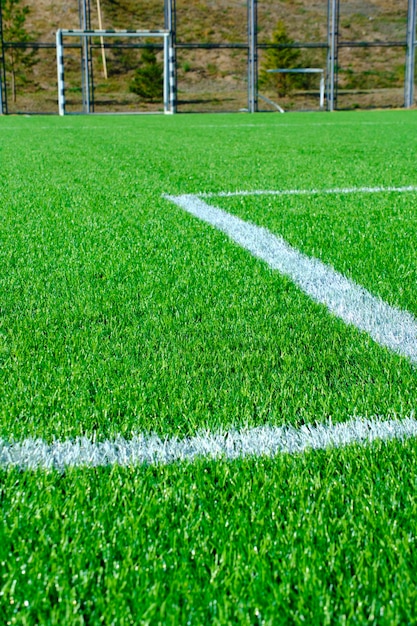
pixel 332 51
pixel 86 65
pixel 321 90
pixel 170 11
pixel 252 56
pixel 60 68
pixel 410 55
pixel 3 90
pixel 166 76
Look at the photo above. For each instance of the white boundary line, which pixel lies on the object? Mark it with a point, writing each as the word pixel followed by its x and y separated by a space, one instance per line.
pixel 277 122
pixel 269 441
pixel 306 192
pixel 387 325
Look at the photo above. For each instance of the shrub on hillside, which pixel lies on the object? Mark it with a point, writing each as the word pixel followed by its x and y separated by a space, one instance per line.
pixel 280 58
pixel 148 80
pixel 17 60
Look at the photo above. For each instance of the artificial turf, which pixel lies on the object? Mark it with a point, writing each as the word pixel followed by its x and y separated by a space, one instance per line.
pixel 323 538
pixel 119 314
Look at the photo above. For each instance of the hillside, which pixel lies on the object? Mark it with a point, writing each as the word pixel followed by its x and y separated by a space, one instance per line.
pixel 216 79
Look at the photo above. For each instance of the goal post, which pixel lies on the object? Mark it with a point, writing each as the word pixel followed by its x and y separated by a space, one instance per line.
pixel 168 72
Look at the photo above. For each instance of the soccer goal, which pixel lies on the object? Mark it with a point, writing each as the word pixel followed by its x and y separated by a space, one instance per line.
pixel 302 70
pixel 84 35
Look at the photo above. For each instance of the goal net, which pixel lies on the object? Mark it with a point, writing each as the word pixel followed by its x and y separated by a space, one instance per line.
pixel 87 36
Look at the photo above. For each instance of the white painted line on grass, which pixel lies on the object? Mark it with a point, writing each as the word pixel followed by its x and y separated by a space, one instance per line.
pixel 306 192
pixel 268 441
pixel 390 327
pixel 276 122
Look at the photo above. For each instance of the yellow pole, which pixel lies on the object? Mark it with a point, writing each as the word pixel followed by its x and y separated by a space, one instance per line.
pixel 103 51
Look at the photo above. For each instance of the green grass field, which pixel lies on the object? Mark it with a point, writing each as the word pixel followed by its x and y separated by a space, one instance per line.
pixel 121 314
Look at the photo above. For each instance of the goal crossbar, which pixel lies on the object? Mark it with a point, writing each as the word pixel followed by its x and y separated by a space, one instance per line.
pixel 169 73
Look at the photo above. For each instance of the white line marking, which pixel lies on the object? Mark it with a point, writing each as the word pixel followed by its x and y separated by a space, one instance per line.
pixel 390 327
pixel 306 192
pixel 277 122
pixel 269 441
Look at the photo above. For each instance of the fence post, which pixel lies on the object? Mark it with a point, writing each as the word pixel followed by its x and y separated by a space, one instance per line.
pixel 332 51
pixel 410 55
pixel 86 60
pixel 3 91
pixel 252 56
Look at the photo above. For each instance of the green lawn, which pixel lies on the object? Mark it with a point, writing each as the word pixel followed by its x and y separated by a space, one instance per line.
pixel 121 314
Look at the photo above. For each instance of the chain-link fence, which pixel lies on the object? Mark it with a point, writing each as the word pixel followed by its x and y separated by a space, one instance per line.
pixel 224 53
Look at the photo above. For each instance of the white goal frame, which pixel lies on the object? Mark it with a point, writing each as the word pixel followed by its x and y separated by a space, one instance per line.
pixel 304 70
pixel 169 73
